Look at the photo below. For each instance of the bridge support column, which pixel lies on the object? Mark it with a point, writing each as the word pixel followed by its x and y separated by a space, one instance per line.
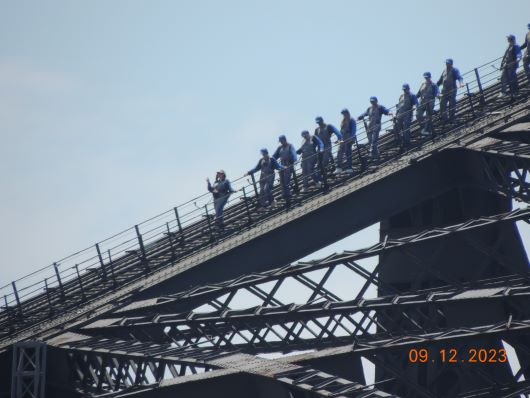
pixel 489 252
pixel 29 370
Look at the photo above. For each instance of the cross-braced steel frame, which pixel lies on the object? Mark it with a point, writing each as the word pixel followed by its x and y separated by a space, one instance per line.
pixel 210 330
pixel 112 332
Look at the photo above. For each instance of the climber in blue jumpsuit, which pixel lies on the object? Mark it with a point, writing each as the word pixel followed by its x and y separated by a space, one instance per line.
pixel 324 132
pixel 310 148
pixel 405 107
pixel 267 165
pixel 509 64
pixel 427 96
pixel 374 114
pixel 287 156
pixel 448 80
pixel 221 190
pixel 348 129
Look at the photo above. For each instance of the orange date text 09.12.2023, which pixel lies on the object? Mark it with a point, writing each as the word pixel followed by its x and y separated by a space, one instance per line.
pixel 452 355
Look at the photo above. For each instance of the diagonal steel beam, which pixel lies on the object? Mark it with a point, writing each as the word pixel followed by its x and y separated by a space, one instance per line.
pixel 363 346
pixel 140 356
pixel 514 291
pixel 202 294
pixel 374 343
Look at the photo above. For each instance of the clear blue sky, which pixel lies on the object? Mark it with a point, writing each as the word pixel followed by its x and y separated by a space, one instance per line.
pixel 113 111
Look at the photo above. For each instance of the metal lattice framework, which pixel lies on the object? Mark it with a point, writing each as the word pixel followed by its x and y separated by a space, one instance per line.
pixel 29 369
pixel 203 339
pixel 158 318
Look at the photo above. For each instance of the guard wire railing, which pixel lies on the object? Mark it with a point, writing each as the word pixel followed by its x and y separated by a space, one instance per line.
pixel 179 232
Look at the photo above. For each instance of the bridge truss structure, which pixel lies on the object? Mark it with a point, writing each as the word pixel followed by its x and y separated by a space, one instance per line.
pixel 175 307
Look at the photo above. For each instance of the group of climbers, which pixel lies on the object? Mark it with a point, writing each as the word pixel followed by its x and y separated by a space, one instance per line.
pixel 316 149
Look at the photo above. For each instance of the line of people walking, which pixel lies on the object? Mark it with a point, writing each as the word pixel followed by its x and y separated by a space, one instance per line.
pixel 316 149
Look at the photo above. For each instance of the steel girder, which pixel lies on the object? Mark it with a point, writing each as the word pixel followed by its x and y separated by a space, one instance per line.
pixel 369 342
pixel 506 164
pixel 368 346
pixel 261 320
pixel 98 370
pixel 506 390
pixel 507 149
pixel 112 365
pixel 209 293
pixel 101 365
pixel 293 326
pixel 508 175
pixel 29 370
